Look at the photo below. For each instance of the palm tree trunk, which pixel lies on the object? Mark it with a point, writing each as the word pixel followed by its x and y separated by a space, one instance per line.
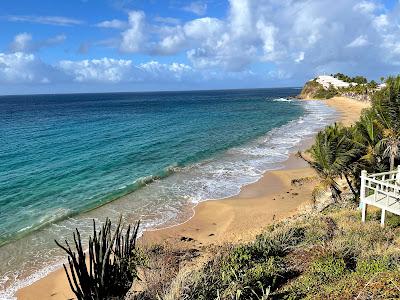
pixel 350 186
pixel 391 162
pixel 335 193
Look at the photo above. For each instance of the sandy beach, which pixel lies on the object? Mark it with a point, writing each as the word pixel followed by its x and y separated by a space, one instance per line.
pixel 235 219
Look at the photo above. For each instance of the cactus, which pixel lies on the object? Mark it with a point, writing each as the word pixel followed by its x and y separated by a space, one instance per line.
pixel 109 267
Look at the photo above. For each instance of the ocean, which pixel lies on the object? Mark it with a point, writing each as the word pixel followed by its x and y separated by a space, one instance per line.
pixel 66 159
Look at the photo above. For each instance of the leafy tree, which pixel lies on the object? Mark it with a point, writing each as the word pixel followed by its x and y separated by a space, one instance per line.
pixel 360 80
pixel 373 84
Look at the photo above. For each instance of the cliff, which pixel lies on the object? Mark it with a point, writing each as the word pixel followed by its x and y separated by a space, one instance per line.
pixel 315 90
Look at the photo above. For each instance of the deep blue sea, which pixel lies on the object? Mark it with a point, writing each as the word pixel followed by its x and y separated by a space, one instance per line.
pixel 65 159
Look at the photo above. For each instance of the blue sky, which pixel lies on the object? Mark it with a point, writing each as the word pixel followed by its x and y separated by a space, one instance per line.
pixel 135 45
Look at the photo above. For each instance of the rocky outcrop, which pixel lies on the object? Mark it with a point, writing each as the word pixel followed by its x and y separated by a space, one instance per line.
pixel 315 90
pixel 310 89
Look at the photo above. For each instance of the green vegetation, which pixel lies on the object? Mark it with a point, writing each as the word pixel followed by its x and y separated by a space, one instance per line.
pixel 356 79
pixel 334 155
pixel 314 90
pixel 322 93
pixel 112 263
pixel 360 86
pixel 247 271
pixel 328 255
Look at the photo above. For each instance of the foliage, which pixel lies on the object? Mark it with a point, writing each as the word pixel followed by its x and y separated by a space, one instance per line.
pixel 111 266
pixel 387 112
pixel 248 271
pixel 315 90
pixel 319 256
pixel 356 79
pixel 332 156
pixel 322 93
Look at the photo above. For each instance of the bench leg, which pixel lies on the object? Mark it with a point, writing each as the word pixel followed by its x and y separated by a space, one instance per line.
pixel 383 215
pixel 363 212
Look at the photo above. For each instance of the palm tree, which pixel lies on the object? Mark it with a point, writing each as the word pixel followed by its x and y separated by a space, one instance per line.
pixel 332 156
pixel 368 136
pixel 387 112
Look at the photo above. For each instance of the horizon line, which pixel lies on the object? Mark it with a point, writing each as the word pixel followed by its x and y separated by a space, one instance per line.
pixel 148 92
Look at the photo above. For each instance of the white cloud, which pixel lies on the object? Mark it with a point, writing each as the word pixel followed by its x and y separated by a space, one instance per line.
pixel 108 70
pixel 133 39
pixel 381 22
pixel 167 20
pixel 360 41
pixel 47 20
pixel 197 7
pixel 287 31
pixel 113 24
pixel 300 57
pixel 203 29
pixel 24 73
pixel 367 7
pixel 24 68
pixel 99 70
pixel 23 42
pixel 166 72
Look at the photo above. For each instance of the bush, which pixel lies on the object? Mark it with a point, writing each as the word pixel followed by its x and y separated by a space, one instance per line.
pixel 248 271
pixel 374 265
pixel 331 255
pixel 325 94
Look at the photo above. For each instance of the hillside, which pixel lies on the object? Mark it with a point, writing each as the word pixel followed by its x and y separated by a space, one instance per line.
pixel 325 87
pixel 314 90
pixel 329 255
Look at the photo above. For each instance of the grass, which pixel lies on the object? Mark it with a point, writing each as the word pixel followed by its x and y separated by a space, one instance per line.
pixel 329 255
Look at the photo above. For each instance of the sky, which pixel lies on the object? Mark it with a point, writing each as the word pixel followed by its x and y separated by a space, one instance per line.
pixel 58 46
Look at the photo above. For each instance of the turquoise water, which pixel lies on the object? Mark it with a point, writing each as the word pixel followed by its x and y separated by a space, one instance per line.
pixel 66 159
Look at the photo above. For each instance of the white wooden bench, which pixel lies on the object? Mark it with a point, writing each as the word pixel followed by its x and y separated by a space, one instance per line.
pixel 381 190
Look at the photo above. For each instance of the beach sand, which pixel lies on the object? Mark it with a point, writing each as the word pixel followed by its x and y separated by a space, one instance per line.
pixel 236 219
pixel 349 109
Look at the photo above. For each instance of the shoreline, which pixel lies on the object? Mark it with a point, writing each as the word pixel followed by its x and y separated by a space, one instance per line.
pixel 234 219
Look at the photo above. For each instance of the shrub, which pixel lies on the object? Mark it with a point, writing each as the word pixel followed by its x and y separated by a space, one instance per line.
pixel 373 265
pixel 325 94
pixel 328 268
pixel 248 271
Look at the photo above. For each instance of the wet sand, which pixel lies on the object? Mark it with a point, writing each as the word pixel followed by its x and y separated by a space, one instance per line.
pixel 236 219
